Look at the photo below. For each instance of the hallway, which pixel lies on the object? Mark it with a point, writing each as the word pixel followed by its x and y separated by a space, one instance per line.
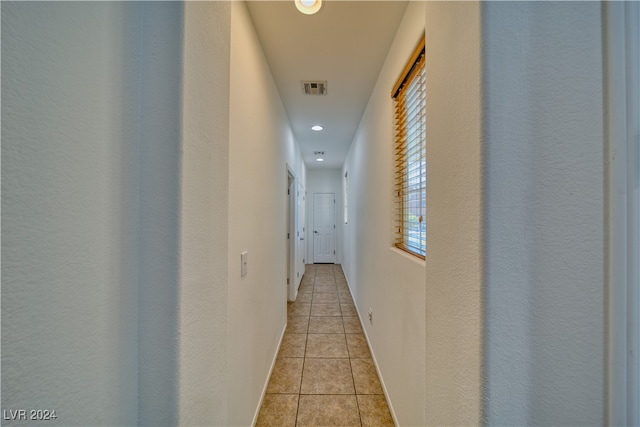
pixel 324 374
pixel 148 214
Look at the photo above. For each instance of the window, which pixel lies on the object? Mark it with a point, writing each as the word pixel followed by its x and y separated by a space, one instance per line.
pixel 346 197
pixel 410 165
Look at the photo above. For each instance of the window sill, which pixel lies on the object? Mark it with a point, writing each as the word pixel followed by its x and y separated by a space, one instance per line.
pixel 408 256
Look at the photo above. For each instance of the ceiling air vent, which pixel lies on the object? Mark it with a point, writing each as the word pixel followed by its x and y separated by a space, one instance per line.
pixel 318 153
pixel 314 87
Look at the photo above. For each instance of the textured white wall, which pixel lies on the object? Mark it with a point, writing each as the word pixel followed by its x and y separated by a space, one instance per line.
pixel 261 145
pixel 69 221
pixel 426 333
pixel 325 181
pixel 381 277
pixel 204 215
pixel 159 62
pixel 454 200
pixel 544 208
pixel 545 321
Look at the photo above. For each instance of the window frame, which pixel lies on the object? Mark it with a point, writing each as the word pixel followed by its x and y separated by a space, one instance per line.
pixel 409 167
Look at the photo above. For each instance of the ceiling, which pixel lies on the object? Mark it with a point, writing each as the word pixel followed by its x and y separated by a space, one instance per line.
pixel 345 43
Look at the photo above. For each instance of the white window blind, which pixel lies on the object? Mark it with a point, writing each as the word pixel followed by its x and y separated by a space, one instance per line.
pixel 410 164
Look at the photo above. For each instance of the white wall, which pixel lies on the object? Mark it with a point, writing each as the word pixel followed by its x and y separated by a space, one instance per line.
pixel 454 208
pixel 144 146
pixel 426 332
pixel 158 58
pixel 515 185
pixel 381 277
pixel 203 374
pixel 261 145
pixel 69 216
pixel 325 181
pixel 544 209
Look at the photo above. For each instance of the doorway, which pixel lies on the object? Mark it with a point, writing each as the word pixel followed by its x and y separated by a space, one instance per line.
pixel 292 289
pixel 324 228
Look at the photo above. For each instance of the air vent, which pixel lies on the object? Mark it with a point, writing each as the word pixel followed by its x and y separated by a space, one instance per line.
pixel 314 87
pixel 318 153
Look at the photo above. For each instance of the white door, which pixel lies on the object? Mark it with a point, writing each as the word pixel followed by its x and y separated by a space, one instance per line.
pixel 302 245
pixel 324 227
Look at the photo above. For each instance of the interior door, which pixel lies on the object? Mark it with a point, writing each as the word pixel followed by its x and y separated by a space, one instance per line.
pixel 302 245
pixel 324 228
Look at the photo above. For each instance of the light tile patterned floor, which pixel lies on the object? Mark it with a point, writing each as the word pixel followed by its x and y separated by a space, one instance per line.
pixel 324 374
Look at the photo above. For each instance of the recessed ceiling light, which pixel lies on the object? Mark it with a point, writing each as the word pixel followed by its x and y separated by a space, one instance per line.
pixel 317 128
pixel 319 159
pixel 308 7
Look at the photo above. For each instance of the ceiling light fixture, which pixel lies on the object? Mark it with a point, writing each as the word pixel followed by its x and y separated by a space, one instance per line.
pixel 308 7
pixel 319 159
pixel 317 128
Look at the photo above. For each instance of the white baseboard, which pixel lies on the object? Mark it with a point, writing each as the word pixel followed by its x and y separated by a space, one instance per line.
pixel 373 356
pixel 266 384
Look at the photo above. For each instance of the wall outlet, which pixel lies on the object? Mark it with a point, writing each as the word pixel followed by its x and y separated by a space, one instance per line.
pixel 371 315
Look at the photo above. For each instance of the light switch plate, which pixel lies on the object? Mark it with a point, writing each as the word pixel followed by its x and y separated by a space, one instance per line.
pixel 243 260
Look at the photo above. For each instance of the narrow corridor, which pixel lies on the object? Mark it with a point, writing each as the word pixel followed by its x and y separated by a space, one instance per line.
pixel 324 374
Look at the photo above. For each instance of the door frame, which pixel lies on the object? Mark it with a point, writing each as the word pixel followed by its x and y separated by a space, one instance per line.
pixel 622 109
pixel 291 240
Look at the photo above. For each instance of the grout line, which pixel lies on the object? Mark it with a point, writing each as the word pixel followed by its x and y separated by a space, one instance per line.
pixel 304 357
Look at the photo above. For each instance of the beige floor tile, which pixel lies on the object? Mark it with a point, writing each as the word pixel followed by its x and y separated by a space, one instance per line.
pixel 324 272
pixel 358 347
pixel 326 345
pixel 346 302
pixel 305 287
pixel 297 324
pixel 327 376
pixel 278 410
pixel 306 282
pixel 325 298
pixel 324 281
pixel 330 309
pixel 323 363
pixel 306 297
pixel 298 308
pixel 348 309
pixel 345 297
pixel 374 411
pixel 286 375
pixel 325 289
pixel 293 345
pixel 328 410
pixel 342 287
pixel 326 325
pixel 352 325
pixel 365 376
